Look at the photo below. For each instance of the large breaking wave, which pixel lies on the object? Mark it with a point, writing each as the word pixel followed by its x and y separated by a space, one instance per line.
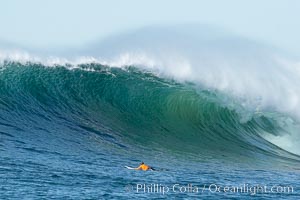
pixel 129 107
pixel 204 94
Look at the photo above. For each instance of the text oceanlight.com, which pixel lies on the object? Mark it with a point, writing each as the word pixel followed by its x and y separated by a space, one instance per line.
pixel 210 188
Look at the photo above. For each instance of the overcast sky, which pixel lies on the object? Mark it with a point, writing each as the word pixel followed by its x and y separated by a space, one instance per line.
pixel 65 23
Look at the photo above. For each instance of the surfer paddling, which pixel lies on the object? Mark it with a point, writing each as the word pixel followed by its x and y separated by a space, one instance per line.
pixel 144 167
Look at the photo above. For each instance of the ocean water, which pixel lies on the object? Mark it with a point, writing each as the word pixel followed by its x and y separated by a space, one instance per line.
pixel 216 115
pixel 66 132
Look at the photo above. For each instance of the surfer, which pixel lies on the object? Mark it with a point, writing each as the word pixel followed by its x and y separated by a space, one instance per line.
pixel 144 167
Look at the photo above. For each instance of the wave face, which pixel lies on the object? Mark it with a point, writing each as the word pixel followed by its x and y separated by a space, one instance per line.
pixel 133 109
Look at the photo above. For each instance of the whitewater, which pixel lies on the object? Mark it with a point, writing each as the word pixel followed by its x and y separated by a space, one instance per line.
pixel 220 108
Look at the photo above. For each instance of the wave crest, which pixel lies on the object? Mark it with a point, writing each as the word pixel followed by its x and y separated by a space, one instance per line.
pixel 128 106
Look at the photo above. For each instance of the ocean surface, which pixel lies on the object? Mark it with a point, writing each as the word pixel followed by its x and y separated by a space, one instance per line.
pixel 217 116
pixel 67 132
